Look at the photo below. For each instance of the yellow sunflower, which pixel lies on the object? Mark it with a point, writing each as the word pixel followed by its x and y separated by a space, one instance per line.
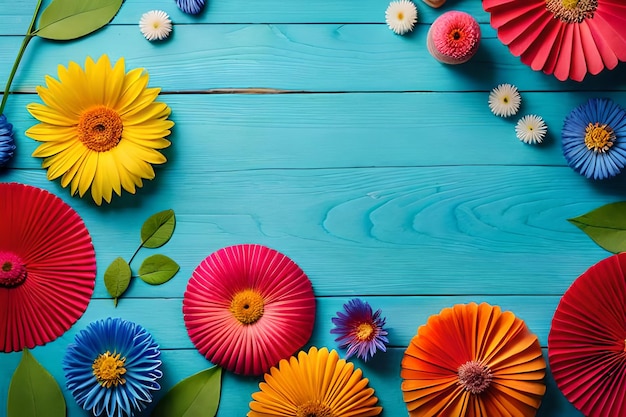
pixel 101 128
pixel 316 383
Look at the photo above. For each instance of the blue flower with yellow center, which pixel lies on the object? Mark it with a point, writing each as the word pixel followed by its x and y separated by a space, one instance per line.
pixel 594 139
pixel 7 144
pixel 112 368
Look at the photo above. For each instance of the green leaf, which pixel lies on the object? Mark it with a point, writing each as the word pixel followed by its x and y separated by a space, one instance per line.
pixel 71 19
pixel 117 278
pixel 158 269
pixel 606 225
pixel 158 229
pixel 33 392
pixel 197 395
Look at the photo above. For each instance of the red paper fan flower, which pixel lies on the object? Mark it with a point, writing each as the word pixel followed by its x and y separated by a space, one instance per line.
pixel 587 340
pixel 47 267
pixel 246 307
pixel 567 38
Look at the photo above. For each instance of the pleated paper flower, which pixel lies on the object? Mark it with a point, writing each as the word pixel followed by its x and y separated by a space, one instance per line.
pixel 360 330
pixel 567 38
pixel 316 383
pixel 473 360
pixel 101 128
pixel 155 25
pixel 47 267
pixel 190 6
pixel 112 368
pixel 7 144
pixel 594 139
pixel 246 307
pixel 587 340
pixel 531 129
pixel 453 38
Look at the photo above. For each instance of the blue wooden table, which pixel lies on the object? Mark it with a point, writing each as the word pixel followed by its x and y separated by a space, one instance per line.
pixel 311 128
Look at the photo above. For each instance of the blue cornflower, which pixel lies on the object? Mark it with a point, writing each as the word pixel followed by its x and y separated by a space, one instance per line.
pixel 112 368
pixel 594 139
pixel 190 6
pixel 7 144
pixel 360 330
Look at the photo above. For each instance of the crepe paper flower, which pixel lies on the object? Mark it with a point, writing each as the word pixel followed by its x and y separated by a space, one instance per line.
pixel 316 383
pixel 587 340
pixel 504 100
pixel 101 128
pixel 531 129
pixel 594 139
pixel 360 330
pixel 47 267
pixel 247 306
pixel 453 38
pixel 401 16
pixel 112 368
pixel 7 144
pixel 190 6
pixel 567 38
pixel 435 3
pixel 155 25
pixel 473 360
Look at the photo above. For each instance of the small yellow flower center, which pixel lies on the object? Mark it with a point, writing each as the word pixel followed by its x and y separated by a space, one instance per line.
pixel 12 270
pixel 400 15
pixel 474 377
pixel 314 409
pixel 100 128
pixel 365 332
pixel 599 138
pixel 247 306
pixel 572 11
pixel 456 35
pixel 108 369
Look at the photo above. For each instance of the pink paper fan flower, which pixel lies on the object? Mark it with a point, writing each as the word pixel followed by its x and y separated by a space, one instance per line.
pixel 246 307
pixel 567 38
pixel 453 38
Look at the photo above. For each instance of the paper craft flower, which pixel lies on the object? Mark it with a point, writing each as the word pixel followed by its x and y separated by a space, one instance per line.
pixel 594 139
pixel 101 128
pixel 453 38
pixel 360 330
pixel 112 368
pixel 316 383
pixel 7 144
pixel 504 100
pixel 401 16
pixel 246 307
pixel 190 6
pixel 473 360
pixel 47 267
pixel 567 38
pixel 587 340
pixel 155 25
pixel 531 129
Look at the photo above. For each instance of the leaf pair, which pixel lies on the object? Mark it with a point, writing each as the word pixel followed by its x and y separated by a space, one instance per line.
pixel 606 226
pixel 71 19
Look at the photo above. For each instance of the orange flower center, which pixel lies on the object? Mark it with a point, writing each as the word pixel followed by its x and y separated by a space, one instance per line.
pixel 599 138
pixel 365 332
pixel 247 306
pixel 100 128
pixel 12 270
pixel 108 369
pixel 474 377
pixel 314 409
pixel 456 34
pixel 400 15
pixel 572 11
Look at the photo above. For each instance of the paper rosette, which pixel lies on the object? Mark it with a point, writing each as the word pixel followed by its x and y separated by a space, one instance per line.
pixel 473 360
pixel 566 38
pixel 246 307
pixel 587 340
pixel 47 267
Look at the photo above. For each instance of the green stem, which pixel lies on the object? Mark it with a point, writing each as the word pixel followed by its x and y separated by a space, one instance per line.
pixel 135 254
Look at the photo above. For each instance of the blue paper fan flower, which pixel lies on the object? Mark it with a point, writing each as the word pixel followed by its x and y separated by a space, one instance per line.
pixel 112 368
pixel 594 139
pixel 190 6
pixel 7 144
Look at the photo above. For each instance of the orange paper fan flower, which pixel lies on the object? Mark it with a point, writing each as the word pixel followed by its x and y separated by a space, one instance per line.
pixel 47 267
pixel 473 360
pixel 587 340
pixel 247 307
pixel 567 38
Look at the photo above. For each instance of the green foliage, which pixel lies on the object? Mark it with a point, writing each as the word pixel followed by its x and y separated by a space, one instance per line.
pixel 71 19
pixel 117 278
pixel 158 229
pixel 605 225
pixel 158 269
pixel 197 395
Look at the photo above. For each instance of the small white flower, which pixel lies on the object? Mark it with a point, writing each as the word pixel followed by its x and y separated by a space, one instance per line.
pixel 504 100
pixel 155 24
pixel 401 16
pixel 531 129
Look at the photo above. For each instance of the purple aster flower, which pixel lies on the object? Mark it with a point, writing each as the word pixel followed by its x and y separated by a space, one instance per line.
pixel 360 330
pixel 7 144
pixel 190 6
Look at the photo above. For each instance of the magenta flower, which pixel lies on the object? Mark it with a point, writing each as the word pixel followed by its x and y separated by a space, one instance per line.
pixel 453 38
pixel 360 330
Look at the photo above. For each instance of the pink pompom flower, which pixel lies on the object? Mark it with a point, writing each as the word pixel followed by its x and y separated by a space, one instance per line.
pixel 453 38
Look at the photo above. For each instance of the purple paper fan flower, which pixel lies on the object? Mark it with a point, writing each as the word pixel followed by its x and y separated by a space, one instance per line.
pixel 360 330
pixel 190 6
pixel 7 144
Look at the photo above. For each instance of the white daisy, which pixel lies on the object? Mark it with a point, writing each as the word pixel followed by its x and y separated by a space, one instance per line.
pixel 155 24
pixel 401 16
pixel 504 100
pixel 531 129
